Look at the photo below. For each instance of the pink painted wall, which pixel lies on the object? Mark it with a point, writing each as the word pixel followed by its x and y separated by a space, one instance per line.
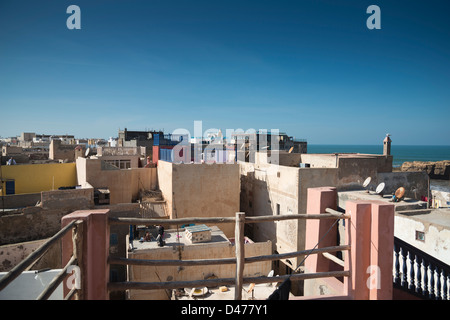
pixel 370 233
pixel 95 268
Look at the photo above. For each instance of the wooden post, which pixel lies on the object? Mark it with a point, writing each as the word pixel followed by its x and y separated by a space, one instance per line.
pixel 77 242
pixel 240 254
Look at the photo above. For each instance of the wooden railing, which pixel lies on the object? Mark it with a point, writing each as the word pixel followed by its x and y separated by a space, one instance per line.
pixel 240 220
pixel 419 273
pixel 15 272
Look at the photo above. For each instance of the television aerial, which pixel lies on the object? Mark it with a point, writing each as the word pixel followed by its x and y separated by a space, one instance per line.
pixel 366 183
pixel 380 189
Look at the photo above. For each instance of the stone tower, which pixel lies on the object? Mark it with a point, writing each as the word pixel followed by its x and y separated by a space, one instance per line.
pixel 387 145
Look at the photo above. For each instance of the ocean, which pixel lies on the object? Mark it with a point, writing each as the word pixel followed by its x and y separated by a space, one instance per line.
pixel 401 153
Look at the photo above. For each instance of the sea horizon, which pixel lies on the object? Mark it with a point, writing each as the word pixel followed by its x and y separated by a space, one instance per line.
pixel 400 153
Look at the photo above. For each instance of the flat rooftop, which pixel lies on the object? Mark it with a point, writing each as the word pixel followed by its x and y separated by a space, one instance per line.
pixel 403 205
pixel 175 237
pixel 259 292
pixel 437 217
pixel 414 209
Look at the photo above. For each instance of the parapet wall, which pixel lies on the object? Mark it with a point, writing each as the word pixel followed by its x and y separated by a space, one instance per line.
pixel 191 273
pixel 43 221
pixel 72 198
pixel 200 190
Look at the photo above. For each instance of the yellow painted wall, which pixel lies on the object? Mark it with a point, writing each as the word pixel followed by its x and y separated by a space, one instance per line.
pixel 32 178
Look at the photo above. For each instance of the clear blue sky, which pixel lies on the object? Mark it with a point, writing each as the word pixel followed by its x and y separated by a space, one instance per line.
pixel 310 68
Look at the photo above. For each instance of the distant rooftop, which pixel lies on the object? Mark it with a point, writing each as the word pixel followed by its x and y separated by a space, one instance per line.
pixel 174 238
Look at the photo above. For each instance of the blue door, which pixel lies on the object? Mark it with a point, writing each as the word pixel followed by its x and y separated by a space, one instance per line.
pixel 10 187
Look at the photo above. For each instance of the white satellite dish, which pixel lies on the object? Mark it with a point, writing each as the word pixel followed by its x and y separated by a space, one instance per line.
pixel 366 183
pixel 88 150
pixel 270 275
pixel 380 188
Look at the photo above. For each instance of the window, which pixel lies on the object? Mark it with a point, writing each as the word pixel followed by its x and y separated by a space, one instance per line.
pixel 420 236
pixel 278 209
pixel 121 164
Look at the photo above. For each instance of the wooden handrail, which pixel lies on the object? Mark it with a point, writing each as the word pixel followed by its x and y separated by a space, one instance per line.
pixel 333 258
pixel 201 262
pixel 239 260
pixel 118 286
pixel 254 219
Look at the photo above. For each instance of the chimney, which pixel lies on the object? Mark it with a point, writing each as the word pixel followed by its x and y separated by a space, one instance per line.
pixel 387 145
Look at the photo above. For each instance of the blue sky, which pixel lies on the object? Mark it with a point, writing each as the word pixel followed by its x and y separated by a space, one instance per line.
pixel 309 68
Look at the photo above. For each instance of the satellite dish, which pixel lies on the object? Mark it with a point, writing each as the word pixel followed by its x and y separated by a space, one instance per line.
pixel 380 188
pixel 270 275
pixel 88 150
pixel 366 183
pixel 400 193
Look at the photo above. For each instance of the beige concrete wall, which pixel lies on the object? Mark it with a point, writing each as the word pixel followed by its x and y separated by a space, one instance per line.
pixel 59 151
pixel 134 159
pixel 43 221
pixel 436 228
pixel 265 188
pixel 320 160
pixel 12 254
pixel 353 171
pixel 8 151
pixel 19 200
pixel 349 163
pixel 124 185
pixel 270 190
pixel 203 251
pixel 201 190
pixel 283 158
pixel 164 170
pixel 415 183
pixel 71 198
pixel 118 151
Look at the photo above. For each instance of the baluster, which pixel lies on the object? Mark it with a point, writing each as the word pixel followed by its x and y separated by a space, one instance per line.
pixel 404 269
pixel 425 277
pixel 419 275
pixel 445 289
pixel 438 284
pixel 396 264
pixel 432 288
pixel 412 281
